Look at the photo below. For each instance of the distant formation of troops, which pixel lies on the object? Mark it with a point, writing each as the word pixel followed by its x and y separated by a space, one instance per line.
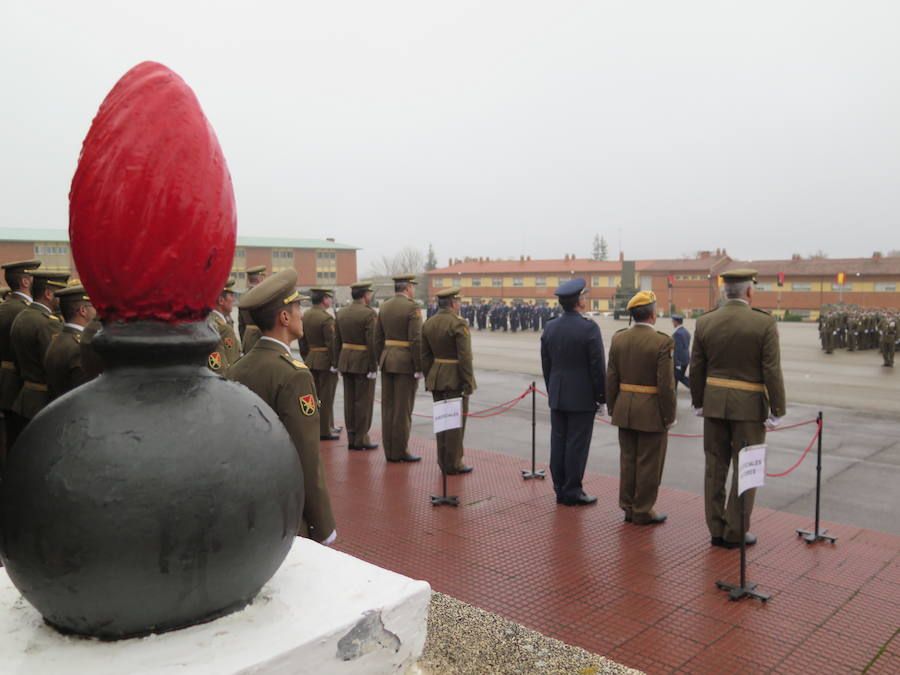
pixel 859 328
pixel 520 316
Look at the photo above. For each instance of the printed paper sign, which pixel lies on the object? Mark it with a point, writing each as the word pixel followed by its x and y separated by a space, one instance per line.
pixel 751 467
pixel 447 414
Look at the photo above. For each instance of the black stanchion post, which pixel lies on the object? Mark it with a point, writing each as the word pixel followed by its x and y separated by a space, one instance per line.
pixel 816 534
pixel 533 473
pixel 745 589
pixel 444 499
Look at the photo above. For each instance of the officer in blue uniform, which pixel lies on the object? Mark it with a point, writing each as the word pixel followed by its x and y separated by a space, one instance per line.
pixel 682 339
pixel 573 362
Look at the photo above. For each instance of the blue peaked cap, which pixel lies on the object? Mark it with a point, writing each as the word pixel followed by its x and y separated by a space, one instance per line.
pixel 572 287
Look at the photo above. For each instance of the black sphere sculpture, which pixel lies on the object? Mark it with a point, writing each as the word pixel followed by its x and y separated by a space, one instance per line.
pixel 158 495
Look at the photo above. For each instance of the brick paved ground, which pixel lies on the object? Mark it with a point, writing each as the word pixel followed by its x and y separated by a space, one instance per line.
pixel 643 596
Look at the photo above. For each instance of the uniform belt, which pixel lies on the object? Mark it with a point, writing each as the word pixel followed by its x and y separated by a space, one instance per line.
pixel 8 365
pixel 735 384
pixel 353 347
pixel 319 349
pixel 637 388
pixel 35 386
pixel 446 360
pixel 397 343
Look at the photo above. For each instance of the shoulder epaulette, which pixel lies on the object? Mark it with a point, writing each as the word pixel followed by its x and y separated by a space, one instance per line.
pixel 294 362
pixel 663 334
pixel 54 317
pixel 621 330
pixel 757 309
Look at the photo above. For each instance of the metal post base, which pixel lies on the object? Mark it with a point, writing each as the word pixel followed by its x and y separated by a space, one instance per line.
pixel 812 537
pixel 533 474
pixel 441 500
pixel 736 592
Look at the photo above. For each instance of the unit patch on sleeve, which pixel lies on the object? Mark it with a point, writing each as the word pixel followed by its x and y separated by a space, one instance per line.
pixel 308 404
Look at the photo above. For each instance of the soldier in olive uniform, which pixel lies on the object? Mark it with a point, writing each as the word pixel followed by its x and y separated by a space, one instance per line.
pixel 398 338
pixel 248 331
pixel 447 364
pixel 318 349
pixel 737 386
pixel 640 396
pixel 90 359
pixel 10 382
pixel 62 362
pixel 31 333
pixel 357 361
pixel 888 333
pixel 286 384
pixel 226 352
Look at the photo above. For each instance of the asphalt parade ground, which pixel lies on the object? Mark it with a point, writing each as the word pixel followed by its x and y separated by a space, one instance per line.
pixel 859 399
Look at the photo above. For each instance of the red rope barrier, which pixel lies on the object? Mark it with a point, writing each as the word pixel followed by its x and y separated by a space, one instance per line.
pixel 805 452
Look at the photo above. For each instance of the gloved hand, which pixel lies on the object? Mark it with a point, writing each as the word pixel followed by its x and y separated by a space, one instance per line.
pixel 601 410
pixel 330 539
pixel 418 375
pixel 333 370
pixel 773 422
pixel 698 412
pixel 371 375
pixel 672 424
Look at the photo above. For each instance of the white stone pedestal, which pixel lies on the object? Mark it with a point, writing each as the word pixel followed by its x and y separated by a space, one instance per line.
pixel 323 612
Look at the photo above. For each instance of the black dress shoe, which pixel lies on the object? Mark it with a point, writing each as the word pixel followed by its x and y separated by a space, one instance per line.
pixel 364 446
pixel 405 458
pixel 462 469
pixel 336 430
pixel 329 437
pixel 749 540
pixel 628 518
pixel 580 500
pixel 655 520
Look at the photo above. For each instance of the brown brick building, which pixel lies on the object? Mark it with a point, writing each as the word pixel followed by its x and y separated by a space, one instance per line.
pixel 317 261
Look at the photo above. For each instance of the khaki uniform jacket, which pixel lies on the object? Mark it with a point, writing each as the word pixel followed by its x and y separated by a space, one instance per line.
pixel 226 352
pixel 641 355
pixel 10 381
pixel 31 334
pixel 445 337
pixel 739 343
pixel 62 362
pixel 399 320
pixel 888 330
pixel 287 386
pixel 355 325
pixel 317 346
pixel 90 359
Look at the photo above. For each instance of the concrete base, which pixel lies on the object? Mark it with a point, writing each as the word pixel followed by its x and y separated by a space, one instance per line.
pixel 322 612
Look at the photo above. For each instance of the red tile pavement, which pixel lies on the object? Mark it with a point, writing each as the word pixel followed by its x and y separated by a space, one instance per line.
pixel 644 596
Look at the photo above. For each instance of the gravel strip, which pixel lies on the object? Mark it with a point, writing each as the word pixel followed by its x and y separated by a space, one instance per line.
pixel 465 640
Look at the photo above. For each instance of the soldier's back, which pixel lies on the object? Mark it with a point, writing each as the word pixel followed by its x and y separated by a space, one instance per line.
pixel 62 363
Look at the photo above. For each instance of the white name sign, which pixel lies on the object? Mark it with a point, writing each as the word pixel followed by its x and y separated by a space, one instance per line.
pixel 447 414
pixel 751 467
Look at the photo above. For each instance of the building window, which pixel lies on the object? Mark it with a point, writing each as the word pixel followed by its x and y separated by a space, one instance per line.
pixel 845 287
pixel 518 281
pixel 54 256
pixel 801 287
pixel 613 281
pixel 763 287
pixel 886 286
pixel 497 282
pixel 438 283
pixel 282 258
pixel 595 281
pixel 476 281
pixel 540 282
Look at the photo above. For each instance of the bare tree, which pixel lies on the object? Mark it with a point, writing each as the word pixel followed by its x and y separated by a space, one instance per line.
pixel 408 260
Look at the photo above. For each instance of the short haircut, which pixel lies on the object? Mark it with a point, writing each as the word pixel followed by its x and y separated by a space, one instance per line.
pixel 678 321
pixel 70 308
pixel 736 289
pixel 14 279
pixel 264 317
pixel 443 303
pixel 400 286
pixel 643 312
pixel 358 293
pixel 568 303
pixel 38 287
pixel 317 297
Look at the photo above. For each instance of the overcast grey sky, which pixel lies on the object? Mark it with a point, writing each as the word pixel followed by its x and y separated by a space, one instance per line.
pixel 495 128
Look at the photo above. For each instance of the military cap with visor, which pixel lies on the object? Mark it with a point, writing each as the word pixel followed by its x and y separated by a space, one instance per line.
pixel 572 288
pixel 258 269
pixel 72 294
pixel 447 293
pixel 324 291
pixel 640 299
pixel 229 286
pixel 53 279
pixel 278 290
pixel 740 275
pixel 359 285
pixel 408 278
pixel 22 265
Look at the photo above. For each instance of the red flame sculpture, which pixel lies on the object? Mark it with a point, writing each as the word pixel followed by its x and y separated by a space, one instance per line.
pixel 151 209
